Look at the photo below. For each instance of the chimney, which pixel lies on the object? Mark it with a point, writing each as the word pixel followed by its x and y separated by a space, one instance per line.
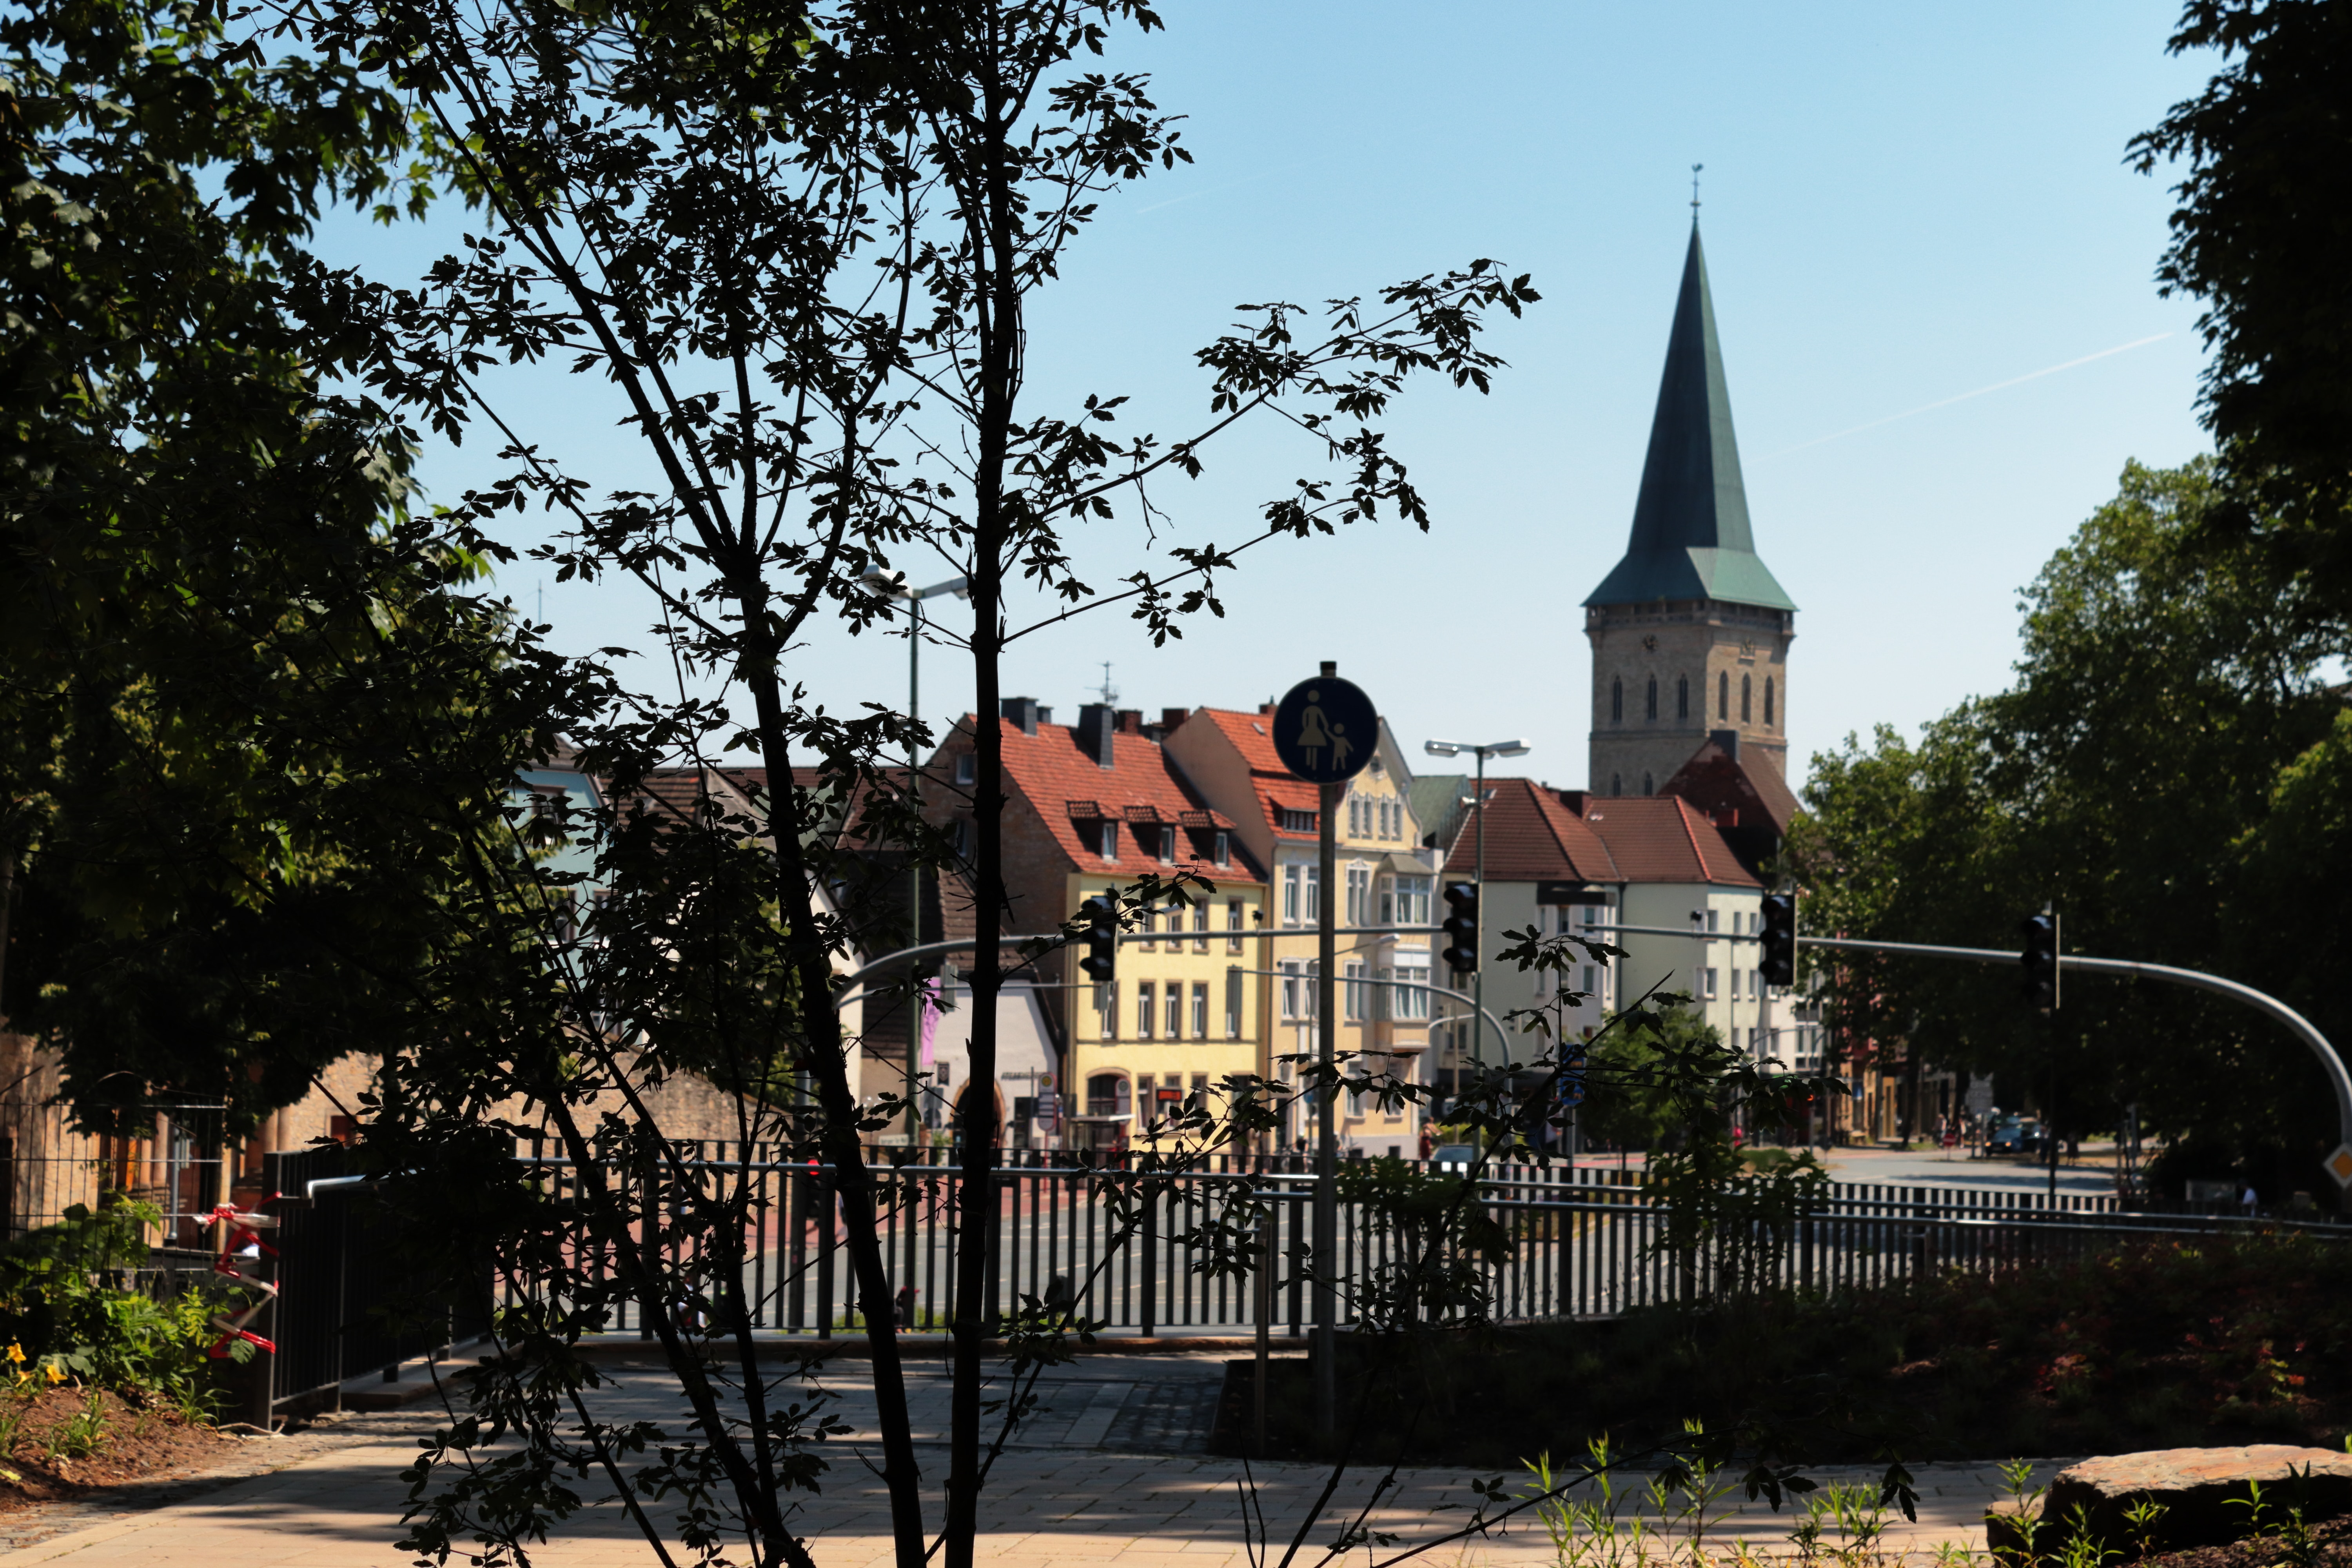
pixel 1096 725
pixel 1726 741
pixel 1022 711
pixel 1131 720
pixel 1172 716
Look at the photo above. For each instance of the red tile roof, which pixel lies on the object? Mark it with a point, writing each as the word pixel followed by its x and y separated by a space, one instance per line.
pixel 1141 788
pixel 1278 790
pixel 1532 836
pixel 1660 838
pixel 1736 793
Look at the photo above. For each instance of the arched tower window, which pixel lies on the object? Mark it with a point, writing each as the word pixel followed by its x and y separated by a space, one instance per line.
pixel 1767 700
pixel 1648 788
pixel 1616 701
pixel 1653 713
pixel 1746 687
pixel 1682 697
pixel 1723 695
pixel 1616 784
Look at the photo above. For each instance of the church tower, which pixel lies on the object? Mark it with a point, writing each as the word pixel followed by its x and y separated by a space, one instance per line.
pixel 1690 633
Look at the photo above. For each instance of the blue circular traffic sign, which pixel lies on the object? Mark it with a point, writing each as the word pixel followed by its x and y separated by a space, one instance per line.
pixel 1325 730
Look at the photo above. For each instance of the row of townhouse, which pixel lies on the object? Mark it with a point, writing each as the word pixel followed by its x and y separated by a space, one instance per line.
pixel 1229 984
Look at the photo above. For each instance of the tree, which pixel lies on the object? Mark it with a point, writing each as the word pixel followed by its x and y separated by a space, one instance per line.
pixel 2265 212
pixel 798 243
pixel 218 624
pixel 2164 687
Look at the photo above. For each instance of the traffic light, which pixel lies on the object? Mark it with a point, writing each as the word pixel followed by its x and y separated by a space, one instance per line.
pixel 1780 961
pixel 1462 925
pixel 2041 959
pixel 1101 962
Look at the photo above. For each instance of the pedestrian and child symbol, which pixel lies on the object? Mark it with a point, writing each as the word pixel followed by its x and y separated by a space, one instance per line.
pixel 1317 732
pixel 1323 729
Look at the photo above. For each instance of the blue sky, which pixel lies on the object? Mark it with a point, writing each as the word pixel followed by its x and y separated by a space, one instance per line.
pixel 1902 204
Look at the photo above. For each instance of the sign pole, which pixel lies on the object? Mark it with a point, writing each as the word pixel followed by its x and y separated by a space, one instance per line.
pixel 1325 731
pixel 1327 1152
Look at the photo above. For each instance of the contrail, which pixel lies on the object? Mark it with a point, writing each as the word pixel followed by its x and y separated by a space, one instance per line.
pixel 1979 392
pixel 1230 184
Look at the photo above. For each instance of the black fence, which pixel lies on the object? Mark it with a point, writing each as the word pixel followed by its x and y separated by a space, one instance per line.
pixel 1583 1243
pixel 350 1305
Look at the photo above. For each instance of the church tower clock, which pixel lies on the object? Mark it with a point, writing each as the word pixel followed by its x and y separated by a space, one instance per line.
pixel 1690 631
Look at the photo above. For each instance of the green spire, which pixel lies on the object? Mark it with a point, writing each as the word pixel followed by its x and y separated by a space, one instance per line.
pixel 1690 523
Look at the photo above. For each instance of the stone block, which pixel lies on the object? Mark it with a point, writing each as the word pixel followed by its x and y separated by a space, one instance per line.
pixel 2203 1491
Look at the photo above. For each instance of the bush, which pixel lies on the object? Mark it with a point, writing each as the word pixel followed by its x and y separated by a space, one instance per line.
pixel 68 1297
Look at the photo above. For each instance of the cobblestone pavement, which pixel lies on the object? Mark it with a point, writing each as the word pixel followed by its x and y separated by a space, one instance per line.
pixel 1066 1494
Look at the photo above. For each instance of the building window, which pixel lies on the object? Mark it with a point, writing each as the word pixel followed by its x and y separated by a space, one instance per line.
pixel 1706 984
pixel 1648 788
pixel 1616 701
pixel 1168 845
pixel 1408 1003
pixel 1651 712
pixel 1292 1006
pixel 1768 702
pixel 1200 1009
pixel 1313 877
pixel 1147 925
pixel 1735 985
pixel 1405 903
pixel 1233 925
pixel 1682 696
pixel 1710 923
pixel 1109 841
pixel 1355 817
pixel 1360 895
pixel 1201 928
pixel 1107 1011
pixel 1296 821
pixel 1175 1011
pixel 1723 695
pixel 1587 986
pixel 1220 847
pixel 962 833
pixel 967 766
pixel 1106 1095
pixel 1616 784
pixel 1233 1004
pixel 1352 975
pixel 1290 897
pixel 1746 687
pixel 1146 1000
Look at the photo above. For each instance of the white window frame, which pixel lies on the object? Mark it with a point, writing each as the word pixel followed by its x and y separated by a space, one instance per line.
pixel 1147 1003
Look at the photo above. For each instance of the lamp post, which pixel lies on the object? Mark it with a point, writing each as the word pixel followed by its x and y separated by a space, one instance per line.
pixel 1478 878
pixel 892 585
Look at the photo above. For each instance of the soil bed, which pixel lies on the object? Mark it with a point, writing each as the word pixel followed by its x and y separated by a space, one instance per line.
pixel 130 1443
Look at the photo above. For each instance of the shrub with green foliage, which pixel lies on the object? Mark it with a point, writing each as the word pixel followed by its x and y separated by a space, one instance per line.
pixel 68 1297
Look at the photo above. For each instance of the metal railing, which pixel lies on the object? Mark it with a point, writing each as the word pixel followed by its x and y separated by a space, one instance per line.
pixel 1590 1242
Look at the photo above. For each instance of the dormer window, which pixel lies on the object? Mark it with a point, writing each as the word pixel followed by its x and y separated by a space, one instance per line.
pixel 1108 848
pixel 1220 847
pixel 967 768
pixel 1168 845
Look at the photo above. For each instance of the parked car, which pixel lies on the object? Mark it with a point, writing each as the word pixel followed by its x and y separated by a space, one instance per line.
pixel 2014 1136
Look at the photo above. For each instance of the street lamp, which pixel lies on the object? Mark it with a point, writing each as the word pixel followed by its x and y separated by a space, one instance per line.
pixel 892 585
pixel 1478 879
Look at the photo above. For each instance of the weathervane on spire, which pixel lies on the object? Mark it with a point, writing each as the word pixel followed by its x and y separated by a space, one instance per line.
pixel 1695 169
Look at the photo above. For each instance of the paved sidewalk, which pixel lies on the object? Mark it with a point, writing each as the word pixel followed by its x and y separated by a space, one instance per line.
pixel 1060 1499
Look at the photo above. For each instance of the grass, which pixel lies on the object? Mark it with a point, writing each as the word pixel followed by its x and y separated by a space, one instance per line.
pixel 2152 1346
